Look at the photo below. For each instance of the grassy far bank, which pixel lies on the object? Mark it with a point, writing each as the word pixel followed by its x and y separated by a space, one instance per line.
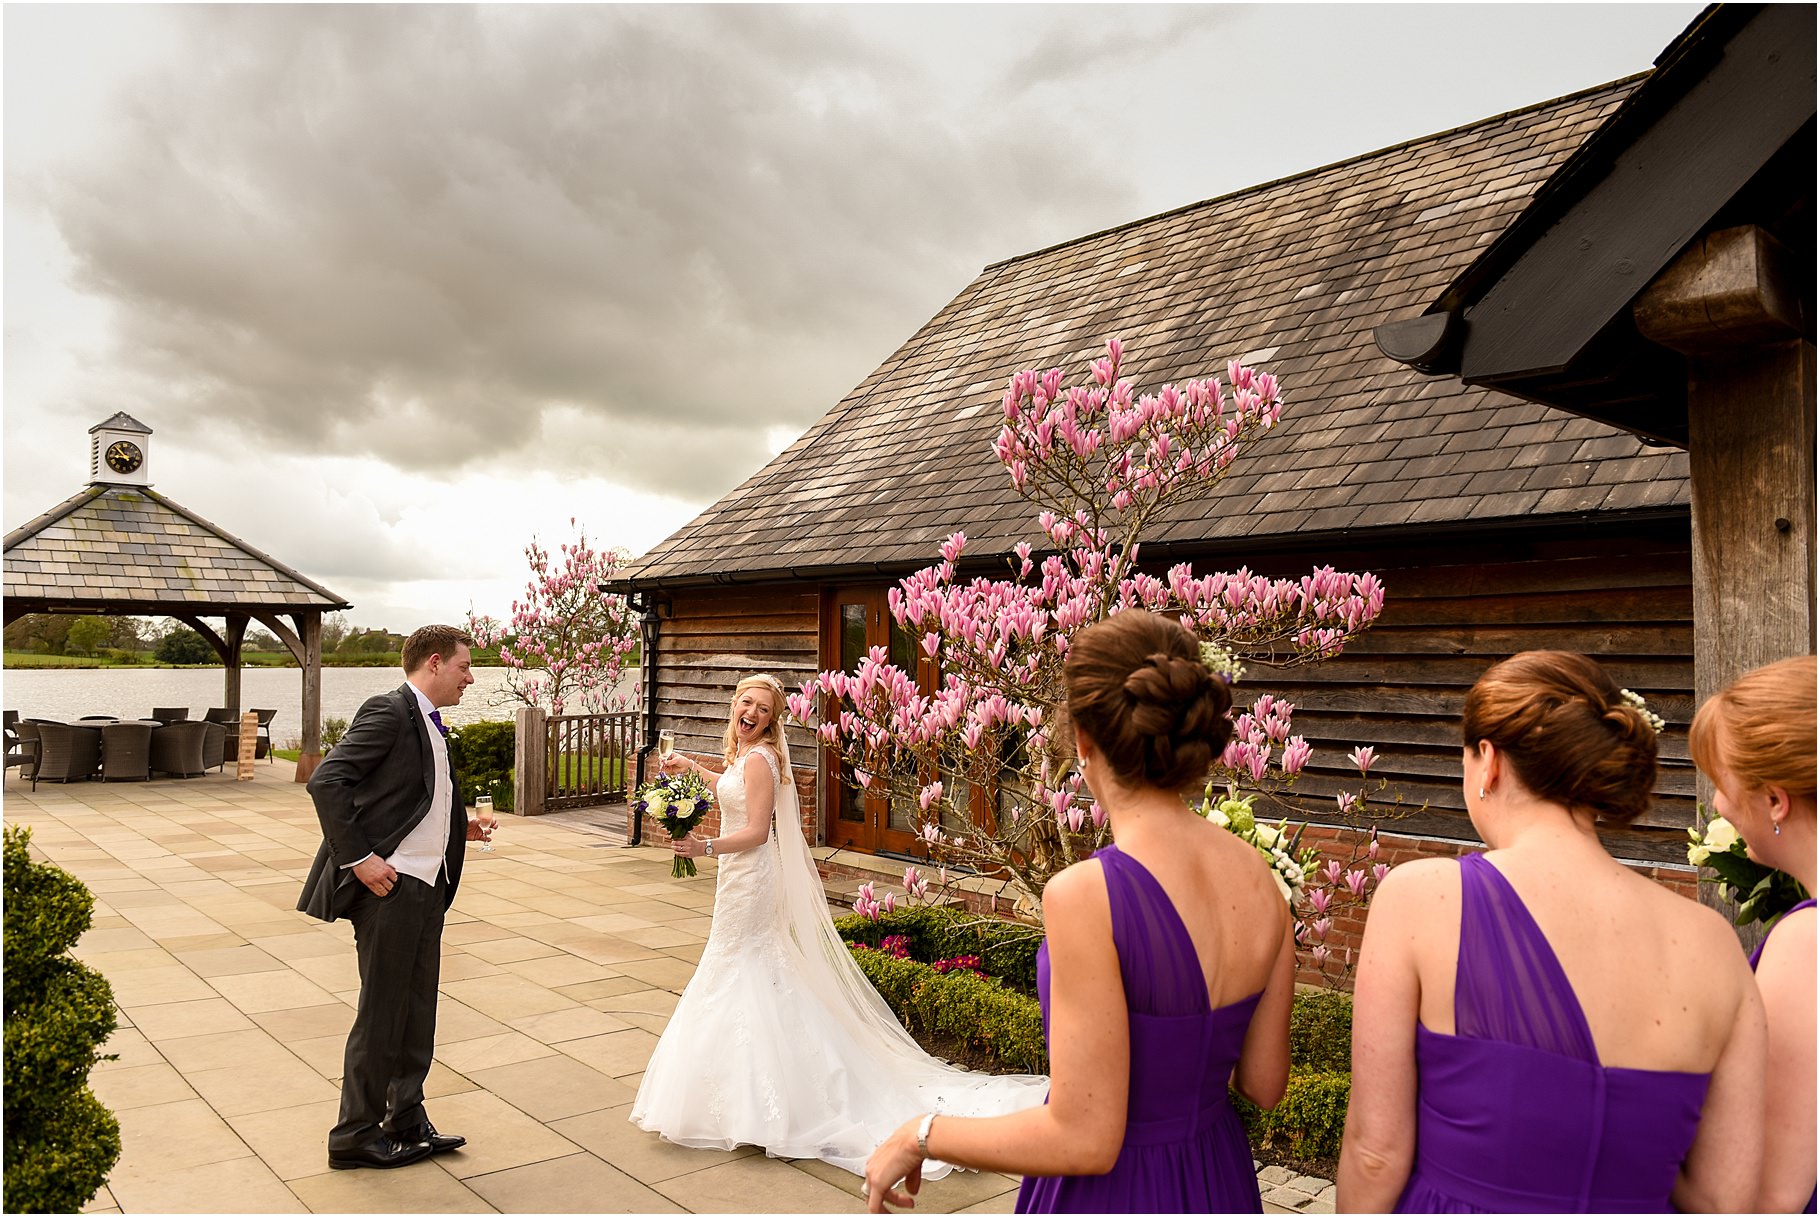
pixel 248 659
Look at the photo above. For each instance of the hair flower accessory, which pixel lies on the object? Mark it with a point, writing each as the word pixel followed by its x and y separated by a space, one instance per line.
pixel 1635 701
pixel 1221 662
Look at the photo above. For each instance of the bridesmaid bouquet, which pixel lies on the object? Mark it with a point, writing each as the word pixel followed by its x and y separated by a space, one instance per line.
pixel 1761 892
pixel 677 801
pixel 1274 842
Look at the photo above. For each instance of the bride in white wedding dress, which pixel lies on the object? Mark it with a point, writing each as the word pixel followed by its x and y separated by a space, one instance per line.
pixel 779 1040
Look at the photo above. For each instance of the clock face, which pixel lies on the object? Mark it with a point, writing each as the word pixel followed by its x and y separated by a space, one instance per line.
pixel 123 456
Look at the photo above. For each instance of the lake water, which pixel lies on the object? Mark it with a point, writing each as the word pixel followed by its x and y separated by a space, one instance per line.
pixel 69 693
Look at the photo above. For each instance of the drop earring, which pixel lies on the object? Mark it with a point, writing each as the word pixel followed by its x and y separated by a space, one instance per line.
pixel 1777 827
pixel 1481 794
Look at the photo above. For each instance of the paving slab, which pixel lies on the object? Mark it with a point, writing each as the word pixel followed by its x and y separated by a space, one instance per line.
pixel 578 1183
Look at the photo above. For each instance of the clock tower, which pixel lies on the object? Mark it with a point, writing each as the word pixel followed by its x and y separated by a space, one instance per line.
pixel 119 451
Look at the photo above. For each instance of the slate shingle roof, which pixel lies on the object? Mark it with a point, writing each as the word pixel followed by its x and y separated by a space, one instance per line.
pixel 1291 275
pixel 115 546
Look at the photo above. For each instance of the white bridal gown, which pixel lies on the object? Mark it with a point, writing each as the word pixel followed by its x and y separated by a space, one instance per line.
pixel 779 1040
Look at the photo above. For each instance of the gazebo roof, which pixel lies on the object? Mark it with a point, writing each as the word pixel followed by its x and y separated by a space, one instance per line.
pixel 129 549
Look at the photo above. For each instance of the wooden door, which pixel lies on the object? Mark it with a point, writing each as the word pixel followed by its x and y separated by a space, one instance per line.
pixel 853 621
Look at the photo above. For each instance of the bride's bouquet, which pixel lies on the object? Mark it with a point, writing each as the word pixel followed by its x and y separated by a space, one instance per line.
pixel 678 801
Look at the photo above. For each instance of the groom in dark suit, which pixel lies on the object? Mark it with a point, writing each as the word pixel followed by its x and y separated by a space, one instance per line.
pixel 394 830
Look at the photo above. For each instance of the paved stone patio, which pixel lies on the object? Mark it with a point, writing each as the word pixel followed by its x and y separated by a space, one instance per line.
pixel 563 956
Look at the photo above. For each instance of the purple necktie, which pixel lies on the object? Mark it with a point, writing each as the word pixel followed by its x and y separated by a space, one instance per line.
pixel 436 717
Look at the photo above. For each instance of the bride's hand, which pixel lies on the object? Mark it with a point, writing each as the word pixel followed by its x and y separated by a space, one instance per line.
pixel 674 763
pixel 894 1172
pixel 688 847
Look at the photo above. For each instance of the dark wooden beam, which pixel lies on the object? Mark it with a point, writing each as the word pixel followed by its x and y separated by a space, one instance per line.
pixel 1661 189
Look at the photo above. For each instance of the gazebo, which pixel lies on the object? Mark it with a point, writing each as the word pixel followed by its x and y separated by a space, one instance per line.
pixel 118 547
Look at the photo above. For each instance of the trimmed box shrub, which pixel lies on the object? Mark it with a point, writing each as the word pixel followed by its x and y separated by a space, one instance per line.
pixel 981 1012
pixel 1006 949
pixel 60 1141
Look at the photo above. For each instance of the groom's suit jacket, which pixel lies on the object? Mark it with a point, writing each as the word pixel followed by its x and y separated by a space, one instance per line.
pixel 371 790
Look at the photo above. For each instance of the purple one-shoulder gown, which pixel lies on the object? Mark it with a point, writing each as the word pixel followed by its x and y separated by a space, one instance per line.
pixel 1756 957
pixel 1185 1149
pixel 1515 1113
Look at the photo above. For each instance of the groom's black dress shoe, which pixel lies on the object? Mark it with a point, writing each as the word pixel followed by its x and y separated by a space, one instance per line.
pixel 381 1153
pixel 438 1142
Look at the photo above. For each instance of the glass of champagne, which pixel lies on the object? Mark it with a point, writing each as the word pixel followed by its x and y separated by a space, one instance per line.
pixel 666 745
pixel 483 812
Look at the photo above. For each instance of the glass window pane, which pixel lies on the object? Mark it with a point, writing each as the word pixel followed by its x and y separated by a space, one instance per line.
pixel 851 806
pixel 852 635
pixel 903 647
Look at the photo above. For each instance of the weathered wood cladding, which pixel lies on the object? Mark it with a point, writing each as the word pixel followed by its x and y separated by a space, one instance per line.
pixel 1621 593
pixel 1623 596
pixel 711 639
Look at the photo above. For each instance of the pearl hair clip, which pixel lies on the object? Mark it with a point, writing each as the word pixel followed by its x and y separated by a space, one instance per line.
pixel 1635 701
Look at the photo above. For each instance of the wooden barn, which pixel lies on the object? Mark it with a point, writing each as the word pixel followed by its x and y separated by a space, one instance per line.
pixel 1496 524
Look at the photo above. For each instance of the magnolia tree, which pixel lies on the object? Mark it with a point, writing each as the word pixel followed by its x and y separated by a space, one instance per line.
pixel 566 642
pixel 1101 464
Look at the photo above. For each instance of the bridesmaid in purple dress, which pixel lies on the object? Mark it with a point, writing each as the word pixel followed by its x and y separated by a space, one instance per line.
pixel 1539 1028
pixel 1755 740
pixel 1167 972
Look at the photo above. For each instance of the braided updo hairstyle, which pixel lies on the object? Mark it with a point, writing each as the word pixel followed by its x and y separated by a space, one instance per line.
pixel 1558 719
pixel 1137 686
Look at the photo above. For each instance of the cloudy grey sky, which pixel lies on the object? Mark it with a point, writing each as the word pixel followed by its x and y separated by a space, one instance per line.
pixel 398 287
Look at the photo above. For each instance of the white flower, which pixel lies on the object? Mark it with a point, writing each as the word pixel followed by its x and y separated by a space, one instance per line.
pixel 1282 886
pixel 1697 855
pixel 1720 835
pixel 1219 817
pixel 1267 836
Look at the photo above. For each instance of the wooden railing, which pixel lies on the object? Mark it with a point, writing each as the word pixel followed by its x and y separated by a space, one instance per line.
pixel 574 760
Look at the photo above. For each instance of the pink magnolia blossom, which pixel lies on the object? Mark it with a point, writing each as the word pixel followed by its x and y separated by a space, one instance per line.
pixel 1363 758
pixel 1099 461
pixel 566 642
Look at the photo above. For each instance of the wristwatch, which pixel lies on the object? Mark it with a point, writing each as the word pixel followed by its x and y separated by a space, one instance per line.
pixel 707 847
pixel 922 1134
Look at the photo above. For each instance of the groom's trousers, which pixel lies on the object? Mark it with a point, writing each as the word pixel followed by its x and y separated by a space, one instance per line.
pixel 398 939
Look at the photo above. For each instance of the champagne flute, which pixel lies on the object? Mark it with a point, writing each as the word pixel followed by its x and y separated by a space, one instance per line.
pixel 483 812
pixel 666 745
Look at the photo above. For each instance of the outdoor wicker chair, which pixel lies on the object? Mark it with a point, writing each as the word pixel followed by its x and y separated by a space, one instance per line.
pixel 22 746
pixel 224 716
pixel 177 748
pixel 126 752
pixel 67 753
pixel 171 714
pixel 263 746
pixel 214 743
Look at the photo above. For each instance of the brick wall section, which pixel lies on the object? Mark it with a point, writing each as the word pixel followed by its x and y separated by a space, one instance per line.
pixel 1349 924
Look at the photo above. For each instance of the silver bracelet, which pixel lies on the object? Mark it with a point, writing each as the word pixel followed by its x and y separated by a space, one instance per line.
pixel 922 1134
pixel 707 847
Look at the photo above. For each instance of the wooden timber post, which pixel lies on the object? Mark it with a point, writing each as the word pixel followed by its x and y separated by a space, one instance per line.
pixel 310 750
pixel 1731 305
pixel 530 775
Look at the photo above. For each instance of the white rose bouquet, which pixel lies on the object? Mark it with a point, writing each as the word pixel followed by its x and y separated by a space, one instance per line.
pixel 1290 866
pixel 1762 893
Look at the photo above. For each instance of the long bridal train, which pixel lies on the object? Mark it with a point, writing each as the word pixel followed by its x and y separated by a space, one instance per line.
pixel 779 1040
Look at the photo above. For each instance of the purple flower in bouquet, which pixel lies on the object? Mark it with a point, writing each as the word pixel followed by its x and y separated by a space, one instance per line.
pixel 678 802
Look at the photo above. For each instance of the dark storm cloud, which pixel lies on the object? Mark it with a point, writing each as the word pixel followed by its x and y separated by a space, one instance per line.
pixel 440 235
